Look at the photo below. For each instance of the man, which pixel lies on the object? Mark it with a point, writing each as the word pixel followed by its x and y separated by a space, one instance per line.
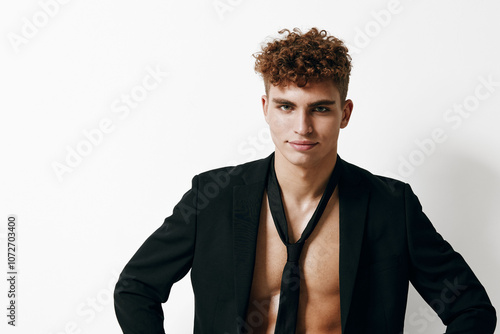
pixel 301 241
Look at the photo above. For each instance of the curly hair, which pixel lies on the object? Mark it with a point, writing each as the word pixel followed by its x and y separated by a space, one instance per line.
pixel 298 58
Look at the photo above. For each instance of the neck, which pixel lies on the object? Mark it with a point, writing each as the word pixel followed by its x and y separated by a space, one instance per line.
pixel 303 184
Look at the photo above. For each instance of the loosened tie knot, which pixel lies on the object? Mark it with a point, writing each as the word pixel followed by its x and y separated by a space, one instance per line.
pixel 293 251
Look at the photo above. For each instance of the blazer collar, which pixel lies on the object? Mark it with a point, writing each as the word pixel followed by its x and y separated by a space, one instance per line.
pixel 247 202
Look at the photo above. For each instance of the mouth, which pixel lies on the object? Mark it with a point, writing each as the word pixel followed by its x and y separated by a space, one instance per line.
pixel 302 145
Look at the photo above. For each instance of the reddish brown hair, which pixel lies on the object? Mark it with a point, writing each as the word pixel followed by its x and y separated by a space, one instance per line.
pixel 298 58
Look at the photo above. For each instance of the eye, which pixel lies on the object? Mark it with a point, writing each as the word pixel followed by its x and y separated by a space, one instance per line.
pixel 285 107
pixel 321 109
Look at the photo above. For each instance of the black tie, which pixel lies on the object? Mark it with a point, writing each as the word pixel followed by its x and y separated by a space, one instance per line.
pixel 290 280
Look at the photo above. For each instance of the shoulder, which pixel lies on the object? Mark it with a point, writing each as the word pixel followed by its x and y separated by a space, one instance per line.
pixel 376 184
pixel 245 173
pixel 384 193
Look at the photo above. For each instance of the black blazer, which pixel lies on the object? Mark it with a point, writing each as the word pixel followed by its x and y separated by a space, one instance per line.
pixel 386 241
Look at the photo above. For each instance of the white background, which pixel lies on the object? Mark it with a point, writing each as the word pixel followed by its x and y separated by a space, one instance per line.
pixel 412 65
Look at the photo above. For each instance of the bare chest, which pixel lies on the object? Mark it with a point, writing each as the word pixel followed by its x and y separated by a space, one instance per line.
pixel 319 263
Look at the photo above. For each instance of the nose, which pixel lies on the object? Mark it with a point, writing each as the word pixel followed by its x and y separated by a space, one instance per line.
pixel 303 125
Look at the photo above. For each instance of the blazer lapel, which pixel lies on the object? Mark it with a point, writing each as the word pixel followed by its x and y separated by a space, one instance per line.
pixel 353 207
pixel 247 202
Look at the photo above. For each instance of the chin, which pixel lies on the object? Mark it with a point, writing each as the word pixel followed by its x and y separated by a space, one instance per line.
pixel 300 159
pixel 309 159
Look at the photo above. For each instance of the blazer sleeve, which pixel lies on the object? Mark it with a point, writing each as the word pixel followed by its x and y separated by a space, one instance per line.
pixel 163 259
pixel 443 278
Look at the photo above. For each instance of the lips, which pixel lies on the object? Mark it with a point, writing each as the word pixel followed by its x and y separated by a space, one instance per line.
pixel 302 145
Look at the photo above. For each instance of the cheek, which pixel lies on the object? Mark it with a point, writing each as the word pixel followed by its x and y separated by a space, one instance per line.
pixel 327 133
pixel 278 129
pixel 276 135
pixel 277 125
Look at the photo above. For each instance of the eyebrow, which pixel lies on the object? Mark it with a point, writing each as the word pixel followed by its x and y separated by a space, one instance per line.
pixel 313 104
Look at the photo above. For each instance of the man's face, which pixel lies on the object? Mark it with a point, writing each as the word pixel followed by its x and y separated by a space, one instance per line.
pixel 305 122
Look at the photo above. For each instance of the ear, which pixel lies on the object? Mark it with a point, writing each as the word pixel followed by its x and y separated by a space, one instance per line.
pixel 346 113
pixel 265 106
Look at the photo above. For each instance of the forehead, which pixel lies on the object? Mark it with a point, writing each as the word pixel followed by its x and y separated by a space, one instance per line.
pixel 311 91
